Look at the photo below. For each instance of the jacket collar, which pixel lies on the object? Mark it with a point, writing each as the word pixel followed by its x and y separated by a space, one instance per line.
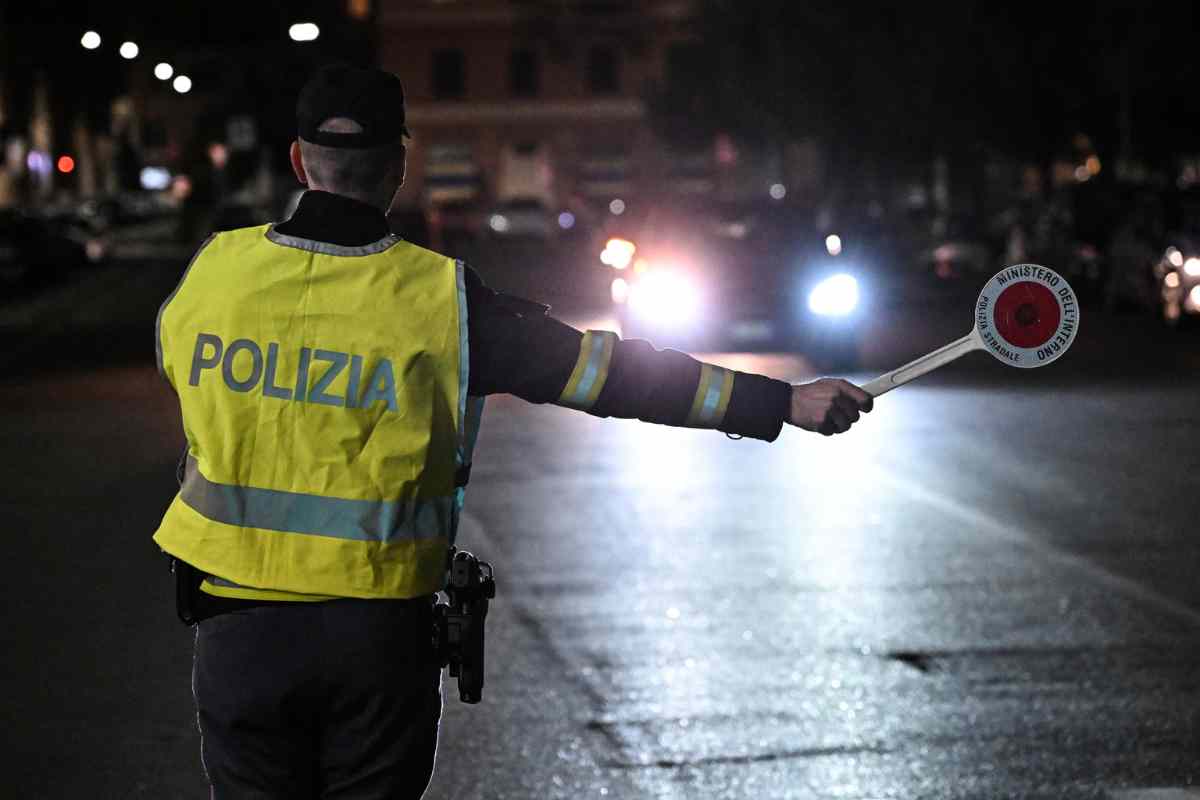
pixel 335 219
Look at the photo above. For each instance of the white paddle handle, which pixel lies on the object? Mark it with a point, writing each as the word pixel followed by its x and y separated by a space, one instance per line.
pixel 926 363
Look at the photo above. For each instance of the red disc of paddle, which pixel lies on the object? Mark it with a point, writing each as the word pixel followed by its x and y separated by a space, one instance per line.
pixel 1026 314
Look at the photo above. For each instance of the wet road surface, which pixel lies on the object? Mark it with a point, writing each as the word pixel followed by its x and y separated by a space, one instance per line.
pixel 986 589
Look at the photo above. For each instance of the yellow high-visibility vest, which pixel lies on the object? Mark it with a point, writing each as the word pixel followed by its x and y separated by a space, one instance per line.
pixel 324 399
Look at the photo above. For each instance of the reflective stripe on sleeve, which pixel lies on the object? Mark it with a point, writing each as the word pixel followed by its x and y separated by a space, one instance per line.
pixel 591 370
pixel 293 512
pixel 712 397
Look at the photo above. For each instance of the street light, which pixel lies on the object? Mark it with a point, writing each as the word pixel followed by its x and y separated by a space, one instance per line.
pixel 182 84
pixel 128 51
pixel 163 70
pixel 304 32
pixel 90 40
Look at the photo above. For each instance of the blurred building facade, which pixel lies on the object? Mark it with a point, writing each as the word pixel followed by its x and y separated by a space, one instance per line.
pixel 544 101
pixel 107 115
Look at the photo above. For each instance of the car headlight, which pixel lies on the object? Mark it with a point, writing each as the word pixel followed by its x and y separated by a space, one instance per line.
pixel 619 290
pixel 1192 267
pixel 835 296
pixel 664 297
pixel 618 253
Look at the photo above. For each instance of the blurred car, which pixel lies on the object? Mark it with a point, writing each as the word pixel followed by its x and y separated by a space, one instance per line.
pixel 1177 271
pixel 958 258
pixel 36 250
pixel 957 249
pixel 526 217
pixel 739 276
pixel 1178 276
pixel 131 208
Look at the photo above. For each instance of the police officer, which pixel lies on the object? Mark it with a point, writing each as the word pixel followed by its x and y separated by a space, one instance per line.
pixel 330 377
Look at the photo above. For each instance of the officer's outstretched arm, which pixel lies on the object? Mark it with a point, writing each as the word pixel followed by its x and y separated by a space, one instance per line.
pixel 517 348
pixel 632 379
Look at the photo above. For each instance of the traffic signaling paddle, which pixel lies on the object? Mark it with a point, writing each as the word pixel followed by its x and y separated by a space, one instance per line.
pixel 1026 316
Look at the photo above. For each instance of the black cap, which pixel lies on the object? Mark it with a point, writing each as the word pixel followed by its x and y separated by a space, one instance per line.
pixel 371 97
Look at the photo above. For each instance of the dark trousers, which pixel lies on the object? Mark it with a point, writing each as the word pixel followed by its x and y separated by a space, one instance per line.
pixel 338 700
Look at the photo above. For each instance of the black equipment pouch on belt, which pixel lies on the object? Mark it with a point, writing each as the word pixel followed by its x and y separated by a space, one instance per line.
pixel 187 587
pixel 458 623
pixel 187 577
pixel 193 605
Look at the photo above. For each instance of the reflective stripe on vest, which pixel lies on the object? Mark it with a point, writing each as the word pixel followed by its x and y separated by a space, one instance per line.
pixel 324 399
pixel 591 371
pixel 314 515
pixel 712 397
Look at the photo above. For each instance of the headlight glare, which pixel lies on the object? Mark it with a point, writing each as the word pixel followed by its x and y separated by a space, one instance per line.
pixel 620 290
pixel 835 296
pixel 618 253
pixel 665 297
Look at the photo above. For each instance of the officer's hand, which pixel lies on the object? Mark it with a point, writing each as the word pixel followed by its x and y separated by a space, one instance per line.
pixel 827 406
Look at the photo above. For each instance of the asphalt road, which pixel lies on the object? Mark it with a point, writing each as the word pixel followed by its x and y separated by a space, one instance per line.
pixel 986 589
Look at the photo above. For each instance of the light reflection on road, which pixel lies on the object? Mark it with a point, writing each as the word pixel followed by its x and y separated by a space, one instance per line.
pixel 749 556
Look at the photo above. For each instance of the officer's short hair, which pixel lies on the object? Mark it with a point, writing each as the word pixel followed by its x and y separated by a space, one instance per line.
pixel 345 170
